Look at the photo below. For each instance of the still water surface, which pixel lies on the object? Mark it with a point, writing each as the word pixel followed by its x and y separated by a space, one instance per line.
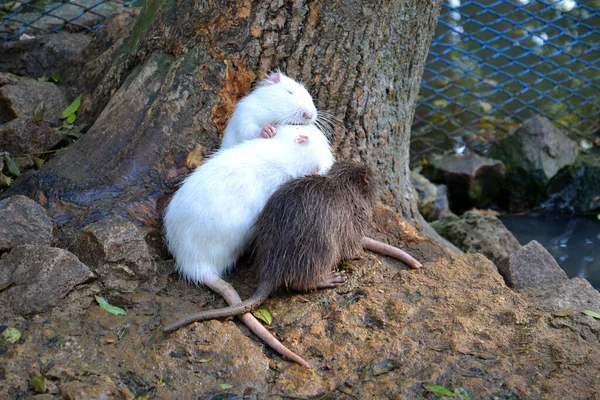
pixel 573 241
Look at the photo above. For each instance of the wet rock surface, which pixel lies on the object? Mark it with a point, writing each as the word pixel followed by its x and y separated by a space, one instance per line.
pixel 24 222
pixel 472 180
pixel 115 249
pixel 474 232
pixel 29 99
pixel 533 155
pixel 36 278
pixel 531 266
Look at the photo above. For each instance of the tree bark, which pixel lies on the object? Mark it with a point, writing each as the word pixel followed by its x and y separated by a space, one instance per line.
pixel 162 99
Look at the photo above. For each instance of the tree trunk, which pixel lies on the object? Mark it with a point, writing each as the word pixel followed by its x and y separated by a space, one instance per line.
pixel 163 98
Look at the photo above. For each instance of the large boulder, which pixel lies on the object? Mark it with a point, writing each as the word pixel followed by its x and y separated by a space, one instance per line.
pixel 24 222
pixel 533 154
pixel 531 266
pixel 576 188
pixel 117 252
pixel 36 278
pixel 475 232
pixel 472 180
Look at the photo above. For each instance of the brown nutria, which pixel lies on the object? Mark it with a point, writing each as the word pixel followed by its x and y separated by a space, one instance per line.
pixel 308 226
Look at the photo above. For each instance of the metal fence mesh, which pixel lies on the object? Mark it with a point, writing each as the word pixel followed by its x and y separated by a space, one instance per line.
pixel 493 64
pixel 35 18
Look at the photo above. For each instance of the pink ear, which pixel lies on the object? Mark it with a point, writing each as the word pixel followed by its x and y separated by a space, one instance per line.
pixel 274 78
pixel 301 139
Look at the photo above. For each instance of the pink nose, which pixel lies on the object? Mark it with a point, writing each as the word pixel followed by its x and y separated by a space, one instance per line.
pixel 307 115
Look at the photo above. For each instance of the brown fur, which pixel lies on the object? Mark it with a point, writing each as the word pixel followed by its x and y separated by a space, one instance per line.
pixel 310 225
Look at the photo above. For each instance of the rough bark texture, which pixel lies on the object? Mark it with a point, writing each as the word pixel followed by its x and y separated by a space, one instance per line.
pixel 163 97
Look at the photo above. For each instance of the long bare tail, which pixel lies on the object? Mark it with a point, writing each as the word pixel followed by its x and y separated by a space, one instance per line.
pixel 241 309
pixel 387 250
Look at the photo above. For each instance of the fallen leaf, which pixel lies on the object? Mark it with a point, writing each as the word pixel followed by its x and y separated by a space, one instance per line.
pixel 13 168
pixel 440 103
pixel 204 360
pixel 11 335
pixel 565 312
pixel 225 386
pixel 439 390
pixel 114 310
pixel 72 109
pixel 591 313
pixel 264 315
pixel 6 181
pixel 485 106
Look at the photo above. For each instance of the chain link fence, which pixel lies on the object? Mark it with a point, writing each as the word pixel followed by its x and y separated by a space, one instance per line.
pixel 29 19
pixel 493 64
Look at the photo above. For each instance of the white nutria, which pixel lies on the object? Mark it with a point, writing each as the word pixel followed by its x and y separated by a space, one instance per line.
pixel 208 222
pixel 277 100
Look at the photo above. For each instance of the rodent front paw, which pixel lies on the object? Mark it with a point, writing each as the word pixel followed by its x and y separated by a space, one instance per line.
pixel 269 131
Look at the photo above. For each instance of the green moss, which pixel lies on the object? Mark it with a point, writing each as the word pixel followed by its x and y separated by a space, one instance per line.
pixel 143 22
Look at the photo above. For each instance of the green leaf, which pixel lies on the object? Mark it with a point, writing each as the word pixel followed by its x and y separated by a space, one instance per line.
pixel 264 315
pixel 114 310
pixel 11 335
pixel 5 181
pixel 598 217
pixel 225 386
pixel 72 109
pixel 440 103
pixel 439 390
pixel 55 77
pixel 205 360
pixel 73 134
pixel 13 168
pixel 71 118
pixel 565 312
pixel 38 383
pixel 591 313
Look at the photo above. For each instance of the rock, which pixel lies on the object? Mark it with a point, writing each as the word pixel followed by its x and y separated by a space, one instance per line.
pixel 576 189
pixel 26 135
pixel 441 208
pixel 42 56
pixel 117 251
pixel 426 193
pixel 36 278
pixel 23 99
pixel 531 266
pixel 472 180
pixel 24 222
pixel 533 154
pixel 576 294
pixel 91 387
pixel 476 233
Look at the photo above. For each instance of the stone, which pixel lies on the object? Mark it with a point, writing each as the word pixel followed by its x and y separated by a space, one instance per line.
pixel 90 387
pixel 476 233
pixel 27 135
pixel 43 56
pixel 23 99
pixel 441 208
pixel 37 278
pixel 426 193
pixel 533 154
pixel 576 294
pixel 472 180
pixel 576 189
pixel 116 249
pixel 531 266
pixel 24 222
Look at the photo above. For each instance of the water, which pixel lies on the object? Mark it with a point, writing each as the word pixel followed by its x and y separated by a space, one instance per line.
pixel 573 241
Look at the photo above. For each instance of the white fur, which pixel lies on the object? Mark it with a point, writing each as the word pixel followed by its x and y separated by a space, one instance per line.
pixel 271 103
pixel 208 222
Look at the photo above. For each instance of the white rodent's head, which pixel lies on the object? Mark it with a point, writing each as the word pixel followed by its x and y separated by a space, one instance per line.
pixel 289 101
